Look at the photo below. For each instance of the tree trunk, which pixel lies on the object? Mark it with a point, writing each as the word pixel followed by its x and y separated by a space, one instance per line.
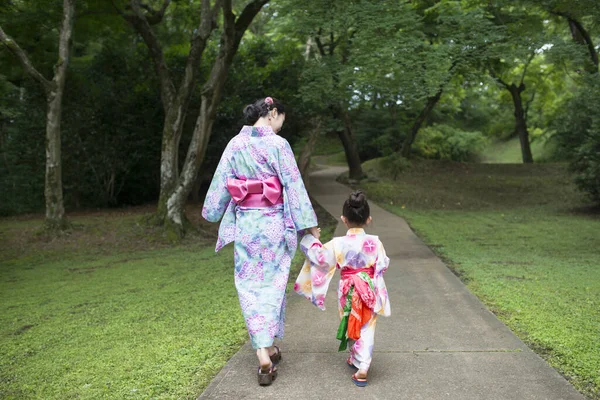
pixel 520 121
pixel 307 150
pixel 53 191
pixel 351 149
pixel 55 211
pixel 175 102
pixel 173 209
pixel 414 129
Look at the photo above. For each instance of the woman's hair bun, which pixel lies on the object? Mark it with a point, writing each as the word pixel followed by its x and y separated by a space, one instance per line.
pixel 357 199
pixel 261 108
pixel 251 113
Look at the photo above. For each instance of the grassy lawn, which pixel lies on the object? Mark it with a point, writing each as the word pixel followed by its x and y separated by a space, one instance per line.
pixel 523 241
pixel 510 151
pixel 112 310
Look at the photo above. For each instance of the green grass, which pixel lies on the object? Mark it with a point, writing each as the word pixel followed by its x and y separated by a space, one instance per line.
pixel 112 310
pixel 521 239
pixel 505 152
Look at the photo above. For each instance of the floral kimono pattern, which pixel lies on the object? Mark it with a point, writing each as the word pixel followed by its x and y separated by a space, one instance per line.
pixel 265 237
pixel 353 254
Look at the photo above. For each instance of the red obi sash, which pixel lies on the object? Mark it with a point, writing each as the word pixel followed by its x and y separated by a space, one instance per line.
pixel 255 193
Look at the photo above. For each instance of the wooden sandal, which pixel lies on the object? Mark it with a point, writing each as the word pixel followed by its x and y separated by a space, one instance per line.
pixel 266 377
pixel 276 358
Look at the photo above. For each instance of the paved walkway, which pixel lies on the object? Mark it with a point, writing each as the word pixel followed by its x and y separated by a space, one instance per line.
pixel 439 343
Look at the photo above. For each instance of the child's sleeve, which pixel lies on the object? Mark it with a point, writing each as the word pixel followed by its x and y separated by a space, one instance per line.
pixel 319 267
pixel 382 301
pixel 383 261
pixel 322 255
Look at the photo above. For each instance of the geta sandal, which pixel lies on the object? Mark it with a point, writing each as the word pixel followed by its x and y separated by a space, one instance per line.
pixel 361 382
pixel 266 377
pixel 276 358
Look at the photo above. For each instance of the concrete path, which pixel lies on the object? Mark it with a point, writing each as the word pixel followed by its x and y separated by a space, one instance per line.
pixel 439 343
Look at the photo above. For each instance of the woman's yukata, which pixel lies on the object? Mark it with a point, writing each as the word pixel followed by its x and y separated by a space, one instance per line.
pixel 258 191
pixel 362 293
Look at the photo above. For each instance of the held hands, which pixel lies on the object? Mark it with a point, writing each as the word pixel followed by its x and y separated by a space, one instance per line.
pixel 315 231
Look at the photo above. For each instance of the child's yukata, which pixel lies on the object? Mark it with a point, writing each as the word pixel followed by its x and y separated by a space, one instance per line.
pixel 259 192
pixel 362 293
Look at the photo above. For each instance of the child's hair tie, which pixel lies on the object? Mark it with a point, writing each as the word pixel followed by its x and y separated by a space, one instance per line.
pixel 269 100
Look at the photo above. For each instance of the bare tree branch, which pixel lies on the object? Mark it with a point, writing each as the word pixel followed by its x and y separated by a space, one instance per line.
pixel 497 78
pixel 117 9
pixel 207 24
pixel 139 21
pixel 14 48
pixel 320 44
pixel 156 17
pixel 332 43
pixel 581 36
pixel 528 104
pixel 246 17
pixel 529 60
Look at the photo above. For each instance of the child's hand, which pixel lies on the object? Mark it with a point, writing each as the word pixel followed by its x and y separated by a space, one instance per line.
pixel 315 231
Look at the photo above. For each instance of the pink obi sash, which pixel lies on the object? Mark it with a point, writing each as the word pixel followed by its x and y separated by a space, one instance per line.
pixel 254 193
pixel 347 271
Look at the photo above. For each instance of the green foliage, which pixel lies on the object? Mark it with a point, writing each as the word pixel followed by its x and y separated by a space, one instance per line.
pixel 578 134
pixel 22 149
pixel 443 142
pixel 112 108
pixel 586 163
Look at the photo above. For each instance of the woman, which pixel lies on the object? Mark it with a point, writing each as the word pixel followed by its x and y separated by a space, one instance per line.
pixel 258 191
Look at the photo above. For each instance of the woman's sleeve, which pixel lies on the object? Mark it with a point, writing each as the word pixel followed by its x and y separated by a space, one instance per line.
pixel 218 197
pixel 299 204
pixel 319 267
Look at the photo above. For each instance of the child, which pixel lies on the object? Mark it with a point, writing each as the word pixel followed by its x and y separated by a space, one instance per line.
pixel 362 293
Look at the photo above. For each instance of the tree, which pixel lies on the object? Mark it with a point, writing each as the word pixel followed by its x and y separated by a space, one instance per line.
pixel 457 38
pixel 233 31
pixel 142 18
pixel 54 89
pixel 175 187
pixel 334 38
pixel 515 91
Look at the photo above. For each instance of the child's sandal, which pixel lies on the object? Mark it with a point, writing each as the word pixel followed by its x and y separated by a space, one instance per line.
pixel 266 377
pixel 361 382
pixel 350 364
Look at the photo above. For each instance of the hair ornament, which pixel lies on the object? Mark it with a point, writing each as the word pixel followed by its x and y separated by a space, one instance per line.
pixel 269 100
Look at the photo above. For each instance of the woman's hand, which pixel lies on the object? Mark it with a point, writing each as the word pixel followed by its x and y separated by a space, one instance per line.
pixel 315 231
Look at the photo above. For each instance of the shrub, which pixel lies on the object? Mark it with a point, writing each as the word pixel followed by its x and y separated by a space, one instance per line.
pixel 578 135
pixel 444 142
